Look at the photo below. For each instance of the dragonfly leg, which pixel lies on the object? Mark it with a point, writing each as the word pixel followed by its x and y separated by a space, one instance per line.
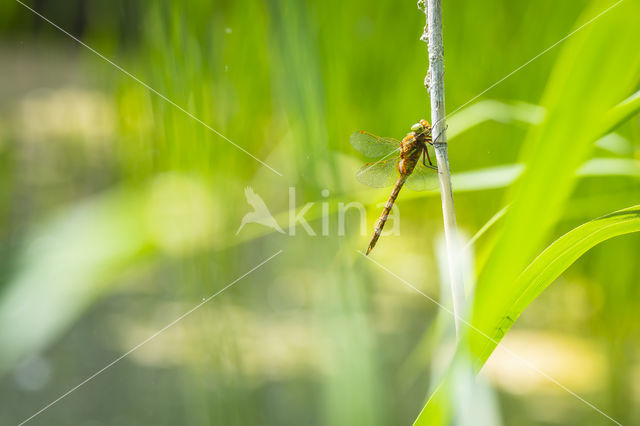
pixel 431 166
pixel 438 137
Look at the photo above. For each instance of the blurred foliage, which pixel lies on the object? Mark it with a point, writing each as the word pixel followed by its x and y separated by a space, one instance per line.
pixel 120 212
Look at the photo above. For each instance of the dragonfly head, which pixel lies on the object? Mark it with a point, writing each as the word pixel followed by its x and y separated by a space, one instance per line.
pixel 421 127
pixel 418 127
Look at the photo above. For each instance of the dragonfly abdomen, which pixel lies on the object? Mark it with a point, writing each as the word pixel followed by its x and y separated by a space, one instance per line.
pixel 385 212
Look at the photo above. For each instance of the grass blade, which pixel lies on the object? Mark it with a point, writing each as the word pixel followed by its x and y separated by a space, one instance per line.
pixel 556 258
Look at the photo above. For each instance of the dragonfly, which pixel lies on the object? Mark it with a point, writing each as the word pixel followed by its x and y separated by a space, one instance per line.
pixel 403 162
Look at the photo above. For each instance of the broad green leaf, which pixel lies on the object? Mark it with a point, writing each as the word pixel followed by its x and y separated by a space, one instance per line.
pixel 553 261
pixel 548 266
pixel 438 409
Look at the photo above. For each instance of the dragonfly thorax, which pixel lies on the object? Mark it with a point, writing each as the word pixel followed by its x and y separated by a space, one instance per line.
pixel 411 148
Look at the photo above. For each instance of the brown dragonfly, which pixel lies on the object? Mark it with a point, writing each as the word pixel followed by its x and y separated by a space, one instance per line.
pixel 404 167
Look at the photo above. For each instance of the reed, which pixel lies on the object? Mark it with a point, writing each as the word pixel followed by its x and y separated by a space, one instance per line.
pixel 435 84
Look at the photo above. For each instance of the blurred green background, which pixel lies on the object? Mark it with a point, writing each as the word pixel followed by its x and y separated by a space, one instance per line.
pixel 119 213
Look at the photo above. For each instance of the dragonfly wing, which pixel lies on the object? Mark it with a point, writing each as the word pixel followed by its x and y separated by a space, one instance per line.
pixel 374 146
pixel 422 179
pixel 379 174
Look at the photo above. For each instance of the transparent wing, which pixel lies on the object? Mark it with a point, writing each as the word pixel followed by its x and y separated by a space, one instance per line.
pixel 422 179
pixel 379 174
pixel 374 146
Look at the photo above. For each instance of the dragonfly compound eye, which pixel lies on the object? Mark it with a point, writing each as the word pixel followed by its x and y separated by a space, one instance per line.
pixel 417 128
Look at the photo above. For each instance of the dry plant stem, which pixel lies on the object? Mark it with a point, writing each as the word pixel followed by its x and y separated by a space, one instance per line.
pixel 435 77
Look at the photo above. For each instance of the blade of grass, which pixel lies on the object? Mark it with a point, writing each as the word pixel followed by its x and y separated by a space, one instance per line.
pixel 550 264
pixel 556 258
pixel 621 113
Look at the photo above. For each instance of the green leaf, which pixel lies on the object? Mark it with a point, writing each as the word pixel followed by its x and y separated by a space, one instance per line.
pixel 553 261
pixel 550 264
pixel 621 113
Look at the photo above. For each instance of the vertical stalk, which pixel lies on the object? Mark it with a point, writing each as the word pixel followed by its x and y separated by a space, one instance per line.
pixel 435 84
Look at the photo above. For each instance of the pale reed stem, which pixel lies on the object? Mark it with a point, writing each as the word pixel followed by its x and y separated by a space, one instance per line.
pixel 435 80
